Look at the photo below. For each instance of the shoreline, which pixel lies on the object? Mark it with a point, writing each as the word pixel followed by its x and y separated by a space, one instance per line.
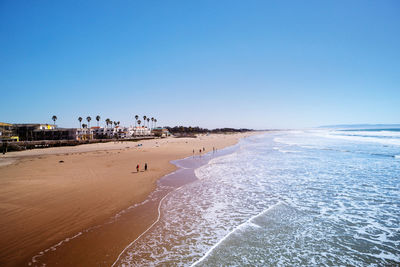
pixel 75 225
pixel 192 166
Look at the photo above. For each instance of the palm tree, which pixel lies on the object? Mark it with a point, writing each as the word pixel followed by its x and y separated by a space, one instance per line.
pixel 148 122
pixel 97 119
pixel 118 122
pixel 144 120
pixel 115 123
pixel 84 125
pixel 139 122
pixel 88 120
pixel 54 118
pixel 152 122
pixel 80 122
pixel 108 121
pixel 155 123
pixel 136 118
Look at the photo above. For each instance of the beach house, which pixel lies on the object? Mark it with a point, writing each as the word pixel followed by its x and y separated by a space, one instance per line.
pixel 161 132
pixel 83 134
pixel 140 131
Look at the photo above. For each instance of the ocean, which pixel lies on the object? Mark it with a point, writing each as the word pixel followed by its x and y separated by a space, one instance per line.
pixel 310 197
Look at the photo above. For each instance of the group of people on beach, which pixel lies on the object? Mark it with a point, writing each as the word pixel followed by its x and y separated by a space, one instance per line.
pixel 138 167
pixel 203 150
pixel 200 150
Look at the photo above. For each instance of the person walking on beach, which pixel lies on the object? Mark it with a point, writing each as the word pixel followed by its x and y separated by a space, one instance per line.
pixel 5 144
pixel 145 166
pixel 137 168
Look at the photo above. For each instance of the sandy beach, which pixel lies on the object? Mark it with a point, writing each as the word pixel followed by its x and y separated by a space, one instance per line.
pixel 49 194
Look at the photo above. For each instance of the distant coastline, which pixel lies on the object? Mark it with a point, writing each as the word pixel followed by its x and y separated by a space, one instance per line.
pixel 362 126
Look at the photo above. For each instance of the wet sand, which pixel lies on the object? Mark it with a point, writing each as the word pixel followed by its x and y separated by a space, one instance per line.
pixel 43 201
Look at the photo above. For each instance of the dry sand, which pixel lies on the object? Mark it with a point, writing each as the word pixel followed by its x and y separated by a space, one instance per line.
pixel 49 194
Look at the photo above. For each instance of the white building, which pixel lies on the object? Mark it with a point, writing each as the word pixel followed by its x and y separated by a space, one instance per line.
pixel 111 132
pixel 99 132
pixel 139 131
pixel 84 134
pixel 121 132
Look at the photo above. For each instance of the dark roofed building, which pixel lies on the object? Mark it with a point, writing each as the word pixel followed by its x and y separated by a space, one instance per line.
pixel 37 131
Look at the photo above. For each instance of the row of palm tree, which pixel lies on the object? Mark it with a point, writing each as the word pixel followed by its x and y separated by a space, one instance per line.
pixel 116 123
pixel 110 122
pixel 145 118
pixel 88 119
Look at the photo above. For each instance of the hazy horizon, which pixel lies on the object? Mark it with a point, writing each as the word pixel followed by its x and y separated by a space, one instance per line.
pixel 211 64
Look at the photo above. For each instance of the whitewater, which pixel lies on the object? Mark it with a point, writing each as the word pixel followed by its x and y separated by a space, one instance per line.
pixel 312 197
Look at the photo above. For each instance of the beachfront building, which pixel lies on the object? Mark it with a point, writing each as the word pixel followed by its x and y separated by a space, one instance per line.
pixel 139 131
pixel 35 132
pixel 98 132
pixel 131 131
pixel 161 132
pixel 109 133
pixel 83 134
pixel 39 131
pixel 121 132
pixel 7 132
pixel 54 134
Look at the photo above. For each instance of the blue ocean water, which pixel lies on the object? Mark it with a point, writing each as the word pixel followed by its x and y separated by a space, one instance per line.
pixel 315 197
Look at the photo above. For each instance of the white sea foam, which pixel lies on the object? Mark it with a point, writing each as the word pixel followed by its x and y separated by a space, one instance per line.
pixel 340 208
pixel 52 248
pixel 246 223
pixel 361 138
pixel 390 134
pixel 288 151
pixel 151 226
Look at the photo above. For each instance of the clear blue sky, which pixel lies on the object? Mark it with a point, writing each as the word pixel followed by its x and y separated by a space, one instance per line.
pixel 256 64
